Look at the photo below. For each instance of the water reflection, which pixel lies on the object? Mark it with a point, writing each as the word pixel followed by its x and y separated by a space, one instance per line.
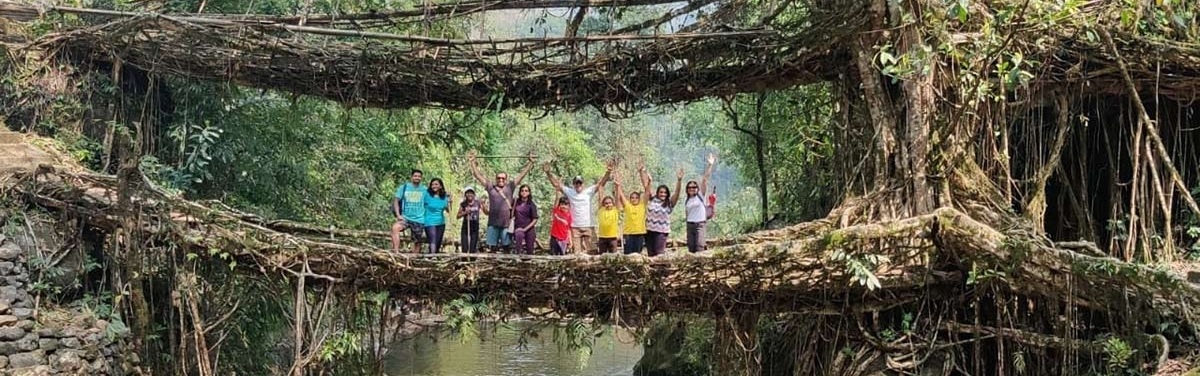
pixel 499 353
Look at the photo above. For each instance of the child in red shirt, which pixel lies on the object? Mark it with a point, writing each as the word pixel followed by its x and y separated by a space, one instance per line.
pixel 560 228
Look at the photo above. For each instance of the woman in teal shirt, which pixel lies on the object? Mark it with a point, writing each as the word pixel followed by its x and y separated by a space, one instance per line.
pixel 437 204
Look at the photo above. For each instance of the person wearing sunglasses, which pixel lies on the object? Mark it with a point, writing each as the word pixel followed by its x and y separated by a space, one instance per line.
pixel 500 201
pixel 696 209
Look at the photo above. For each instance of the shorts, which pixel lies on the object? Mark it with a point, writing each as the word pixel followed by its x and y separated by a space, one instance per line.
pixel 582 239
pixel 417 229
pixel 608 245
pixel 497 236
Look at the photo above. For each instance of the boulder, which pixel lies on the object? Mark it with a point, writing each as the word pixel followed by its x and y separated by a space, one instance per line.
pixel 48 344
pixel 6 320
pixel 22 313
pixel 33 371
pixel 3 361
pixel 71 342
pixel 10 293
pixel 6 267
pixel 69 360
pixel 8 348
pixel 49 332
pixel 27 359
pixel 17 282
pixel 27 325
pixel 11 333
pixel 29 343
pixel 10 252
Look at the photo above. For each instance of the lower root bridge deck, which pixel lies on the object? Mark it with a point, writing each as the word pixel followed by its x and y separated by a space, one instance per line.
pixel 812 267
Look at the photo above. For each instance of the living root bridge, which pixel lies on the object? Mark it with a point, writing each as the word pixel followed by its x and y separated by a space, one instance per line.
pixel 811 267
pixel 372 69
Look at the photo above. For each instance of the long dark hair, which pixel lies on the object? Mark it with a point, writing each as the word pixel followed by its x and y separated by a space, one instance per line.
pixel 518 198
pixel 441 193
pixel 665 188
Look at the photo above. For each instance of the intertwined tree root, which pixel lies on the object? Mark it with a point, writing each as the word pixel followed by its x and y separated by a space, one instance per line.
pixel 812 267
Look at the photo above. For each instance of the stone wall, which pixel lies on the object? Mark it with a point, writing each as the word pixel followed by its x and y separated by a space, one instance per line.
pixel 58 341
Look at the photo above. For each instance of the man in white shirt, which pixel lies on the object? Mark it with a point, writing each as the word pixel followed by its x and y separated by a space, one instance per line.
pixel 583 230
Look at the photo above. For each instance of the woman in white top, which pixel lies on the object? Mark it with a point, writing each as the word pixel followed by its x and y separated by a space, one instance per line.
pixel 697 214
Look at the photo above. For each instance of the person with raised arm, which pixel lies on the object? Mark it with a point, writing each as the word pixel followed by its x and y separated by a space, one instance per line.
pixel 560 227
pixel 634 210
pixel 500 201
pixel 408 205
pixel 697 209
pixel 608 221
pixel 658 214
pixel 583 231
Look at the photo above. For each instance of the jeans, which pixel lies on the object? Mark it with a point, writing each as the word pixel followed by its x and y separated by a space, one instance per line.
pixel 634 243
pixel 558 247
pixel 496 238
pixel 656 243
pixel 435 234
pixel 468 237
pixel 524 241
pixel 695 236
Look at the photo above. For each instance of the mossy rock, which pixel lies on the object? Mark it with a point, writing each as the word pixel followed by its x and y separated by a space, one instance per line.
pixel 1193 372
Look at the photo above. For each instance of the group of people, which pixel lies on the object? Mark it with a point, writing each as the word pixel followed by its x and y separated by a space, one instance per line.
pixel 634 221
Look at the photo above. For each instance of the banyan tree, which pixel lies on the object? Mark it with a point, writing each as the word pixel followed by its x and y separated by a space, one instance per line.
pixel 1017 174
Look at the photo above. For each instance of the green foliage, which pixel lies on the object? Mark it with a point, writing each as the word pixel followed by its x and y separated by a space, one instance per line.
pixel 464 314
pixel 861 267
pixel 579 336
pixel 101 307
pixel 797 128
pixel 1118 356
pixel 340 345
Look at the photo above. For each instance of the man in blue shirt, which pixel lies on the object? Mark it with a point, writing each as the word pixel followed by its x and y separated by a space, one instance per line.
pixel 408 205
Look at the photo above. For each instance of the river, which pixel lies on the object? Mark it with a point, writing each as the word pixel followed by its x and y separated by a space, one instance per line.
pixel 498 352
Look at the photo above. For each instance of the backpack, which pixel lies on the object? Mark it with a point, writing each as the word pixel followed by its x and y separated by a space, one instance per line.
pixel 390 209
pixel 711 207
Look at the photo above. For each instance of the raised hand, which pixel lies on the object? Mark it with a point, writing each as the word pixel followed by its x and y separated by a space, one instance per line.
pixel 712 158
pixel 471 156
pixel 532 157
pixel 546 167
pixel 679 174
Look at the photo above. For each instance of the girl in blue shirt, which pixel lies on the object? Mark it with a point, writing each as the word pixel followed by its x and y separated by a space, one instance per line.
pixel 437 204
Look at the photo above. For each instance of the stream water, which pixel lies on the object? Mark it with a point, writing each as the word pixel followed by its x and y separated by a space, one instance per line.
pixel 500 353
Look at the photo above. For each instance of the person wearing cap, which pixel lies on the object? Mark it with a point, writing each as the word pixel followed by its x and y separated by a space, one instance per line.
pixel 468 211
pixel 583 231
pixel 500 201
